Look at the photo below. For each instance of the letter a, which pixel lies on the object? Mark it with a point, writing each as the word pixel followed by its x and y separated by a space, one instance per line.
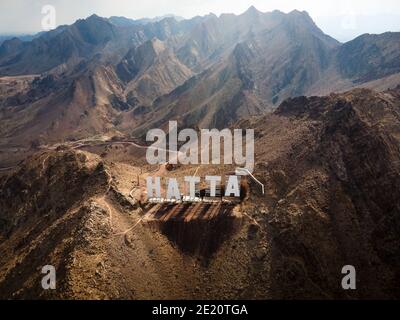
pixel 49 19
pixel 349 281
pixel 49 280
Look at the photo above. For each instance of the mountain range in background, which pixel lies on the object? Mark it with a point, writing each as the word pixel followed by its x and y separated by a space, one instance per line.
pixel 99 76
pixel 343 26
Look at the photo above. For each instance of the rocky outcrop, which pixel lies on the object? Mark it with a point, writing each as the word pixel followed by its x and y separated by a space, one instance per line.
pixel 333 194
pixel 44 218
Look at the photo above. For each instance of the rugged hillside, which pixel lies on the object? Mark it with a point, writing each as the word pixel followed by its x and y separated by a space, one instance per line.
pixel 151 70
pixel 214 37
pixel 67 46
pixel 276 57
pixel 63 46
pixel 330 166
pixel 281 61
pixel 45 223
pixel 74 212
pixel 292 58
pixel 370 57
pixel 56 108
pixel 331 169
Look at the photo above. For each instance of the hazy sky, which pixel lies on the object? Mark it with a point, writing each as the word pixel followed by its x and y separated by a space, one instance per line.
pixel 342 19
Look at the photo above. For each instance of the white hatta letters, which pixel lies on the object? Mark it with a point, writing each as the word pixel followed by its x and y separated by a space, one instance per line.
pixel 193 181
pixel 165 150
pixel 213 184
pixel 232 188
pixel 173 190
pixel 153 186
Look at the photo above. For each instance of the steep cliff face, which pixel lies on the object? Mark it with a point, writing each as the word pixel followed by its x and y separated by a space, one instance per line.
pixel 150 71
pixel 284 58
pixel 370 57
pixel 43 214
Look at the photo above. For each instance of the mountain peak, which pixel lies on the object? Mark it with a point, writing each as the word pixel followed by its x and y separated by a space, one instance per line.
pixel 303 18
pixel 302 14
pixel 94 17
pixel 252 11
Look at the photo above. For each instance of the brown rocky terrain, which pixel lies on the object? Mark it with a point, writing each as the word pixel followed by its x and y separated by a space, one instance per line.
pixel 330 166
pixel 150 71
pixel 332 174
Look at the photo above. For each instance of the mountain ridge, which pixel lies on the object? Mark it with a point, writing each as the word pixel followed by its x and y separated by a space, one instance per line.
pixel 205 72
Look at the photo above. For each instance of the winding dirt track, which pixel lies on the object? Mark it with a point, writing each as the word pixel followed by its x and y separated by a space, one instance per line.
pixel 91 143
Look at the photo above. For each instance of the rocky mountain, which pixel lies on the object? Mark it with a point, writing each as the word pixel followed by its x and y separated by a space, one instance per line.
pixel 86 39
pixel 370 57
pixel 21 37
pixel 205 71
pixel 63 46
pixel 330 166
pixel 281 61
pixel 150 71
pixel 76 102
pixel 126 22
pixel 336 187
